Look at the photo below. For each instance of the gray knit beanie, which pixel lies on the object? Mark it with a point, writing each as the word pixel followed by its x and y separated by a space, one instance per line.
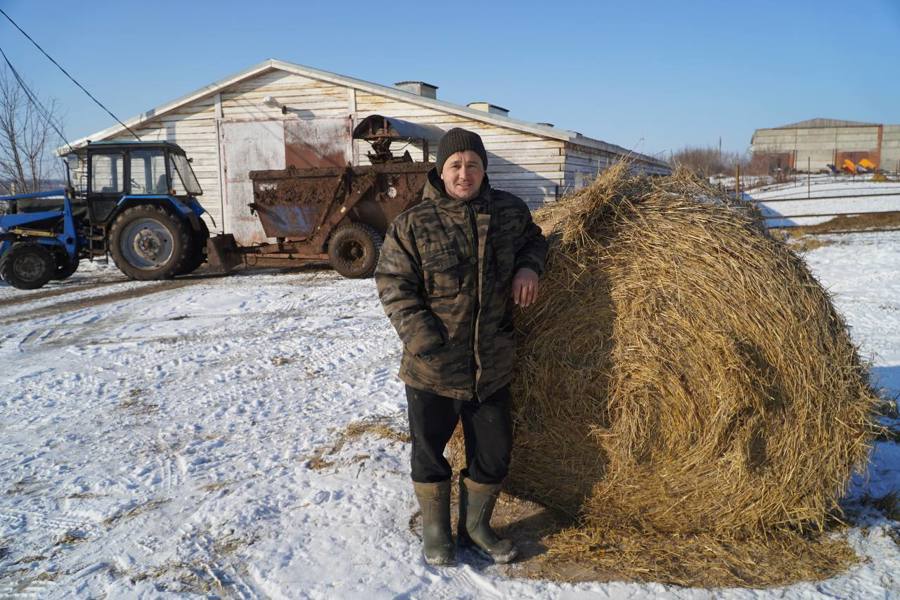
pixel 459 140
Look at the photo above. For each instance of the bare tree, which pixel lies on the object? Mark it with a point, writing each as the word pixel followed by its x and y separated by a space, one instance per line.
pixel 709 161
pixel 27 139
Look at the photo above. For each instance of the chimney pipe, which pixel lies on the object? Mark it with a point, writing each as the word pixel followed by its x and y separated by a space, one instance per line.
pixel 489 108
pixel 419 88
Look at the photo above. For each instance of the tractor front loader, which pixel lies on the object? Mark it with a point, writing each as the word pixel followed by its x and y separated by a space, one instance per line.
pixel 36 247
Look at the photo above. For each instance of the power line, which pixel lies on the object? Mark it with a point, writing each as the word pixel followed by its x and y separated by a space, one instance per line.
pixel 33 99
pixel 109 112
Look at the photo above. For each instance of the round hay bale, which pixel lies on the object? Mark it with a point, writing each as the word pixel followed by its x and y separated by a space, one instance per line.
pixel 682 371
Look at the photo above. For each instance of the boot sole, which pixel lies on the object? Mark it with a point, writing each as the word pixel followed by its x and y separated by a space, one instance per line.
pixel 500 559
pixel 448 561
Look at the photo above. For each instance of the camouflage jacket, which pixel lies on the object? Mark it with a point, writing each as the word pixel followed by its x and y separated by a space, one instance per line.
pixel 445 280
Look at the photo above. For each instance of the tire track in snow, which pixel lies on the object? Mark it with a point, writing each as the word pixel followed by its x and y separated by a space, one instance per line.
pixel 58 523
pixel 63 335
pixel 33 588
pixel 80 303
pixel 18 299
pixel 37 583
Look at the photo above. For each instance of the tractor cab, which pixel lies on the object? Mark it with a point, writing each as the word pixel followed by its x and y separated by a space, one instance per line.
pixel 106 174
pixel 141 203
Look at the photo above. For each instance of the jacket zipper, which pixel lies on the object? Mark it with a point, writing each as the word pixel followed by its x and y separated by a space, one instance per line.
pixel 473 223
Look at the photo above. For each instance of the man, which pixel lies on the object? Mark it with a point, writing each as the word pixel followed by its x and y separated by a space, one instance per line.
pixel 450 270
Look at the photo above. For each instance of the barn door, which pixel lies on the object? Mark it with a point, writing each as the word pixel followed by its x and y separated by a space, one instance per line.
pixel 248 146
pixel 318 142
pixel 262 145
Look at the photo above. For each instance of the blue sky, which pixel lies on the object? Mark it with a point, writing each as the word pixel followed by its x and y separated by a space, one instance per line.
pixel 652 75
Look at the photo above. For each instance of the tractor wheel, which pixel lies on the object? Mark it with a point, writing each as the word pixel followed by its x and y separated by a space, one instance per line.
pixel 353 250
pixel 27 266
pixel 197 252
pixel 148 242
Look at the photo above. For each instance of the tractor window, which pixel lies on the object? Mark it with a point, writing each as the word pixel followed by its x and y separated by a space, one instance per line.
pixel 107 173
pixel 77 170
pixel 148 172
pixel 184 181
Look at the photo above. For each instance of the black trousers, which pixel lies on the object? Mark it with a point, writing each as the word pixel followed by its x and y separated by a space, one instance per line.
pixel 487 426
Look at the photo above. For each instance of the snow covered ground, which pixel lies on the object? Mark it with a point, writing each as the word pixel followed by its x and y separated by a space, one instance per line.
pixel 784 204
pixel 181 438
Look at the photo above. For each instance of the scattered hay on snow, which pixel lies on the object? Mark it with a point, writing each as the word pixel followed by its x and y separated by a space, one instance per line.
pixel 382 427
pixel 686 389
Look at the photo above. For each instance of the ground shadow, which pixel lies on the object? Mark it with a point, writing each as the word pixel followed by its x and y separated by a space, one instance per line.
pixel 887 381
pixel 526 523
pixel 874 495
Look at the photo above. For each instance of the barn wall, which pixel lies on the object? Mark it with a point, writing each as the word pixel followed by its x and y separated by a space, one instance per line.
pixel 818 147
pixel 524 164
pixel 583 164
pixel 890 148
pixel 305 98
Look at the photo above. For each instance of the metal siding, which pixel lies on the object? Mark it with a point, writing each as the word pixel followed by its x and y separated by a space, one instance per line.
pixel 820 146
pixel 890 148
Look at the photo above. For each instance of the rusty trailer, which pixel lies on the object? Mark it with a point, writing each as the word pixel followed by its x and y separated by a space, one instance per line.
pixel 333 214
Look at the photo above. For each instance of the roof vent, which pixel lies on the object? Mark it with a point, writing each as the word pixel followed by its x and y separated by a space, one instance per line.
pixel 419 88
pixel 545 124
pixel 489 108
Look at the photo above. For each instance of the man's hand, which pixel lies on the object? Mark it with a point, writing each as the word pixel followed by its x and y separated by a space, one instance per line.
pixel 525 287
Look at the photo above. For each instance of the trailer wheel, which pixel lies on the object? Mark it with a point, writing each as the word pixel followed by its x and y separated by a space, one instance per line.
pixel 197 254
pixel 353 250
pixel 147 242
pixel 27 266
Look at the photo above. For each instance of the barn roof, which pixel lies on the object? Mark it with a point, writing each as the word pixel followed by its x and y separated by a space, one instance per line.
pixel 366 86
pixel 820 123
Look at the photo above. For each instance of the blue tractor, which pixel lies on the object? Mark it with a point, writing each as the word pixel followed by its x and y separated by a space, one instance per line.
pixel 135 201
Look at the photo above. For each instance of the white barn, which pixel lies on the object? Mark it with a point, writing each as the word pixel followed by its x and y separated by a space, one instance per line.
pixel 277 114
pixel 815 143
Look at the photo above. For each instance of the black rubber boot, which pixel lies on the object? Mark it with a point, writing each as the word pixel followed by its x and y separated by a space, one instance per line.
pixel 434 500
pixel 476 505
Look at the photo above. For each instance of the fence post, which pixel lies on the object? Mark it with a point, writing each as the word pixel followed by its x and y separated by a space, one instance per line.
pixel 808 175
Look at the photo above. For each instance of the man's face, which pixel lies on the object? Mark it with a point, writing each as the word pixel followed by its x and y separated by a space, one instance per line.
pixel 462 175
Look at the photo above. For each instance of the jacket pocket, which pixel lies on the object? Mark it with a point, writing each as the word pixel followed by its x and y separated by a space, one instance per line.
pixel 441 273
pixel 442 367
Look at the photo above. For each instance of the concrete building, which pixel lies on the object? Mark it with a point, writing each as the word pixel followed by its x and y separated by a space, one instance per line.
pixel 816 143
pixel 278 114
